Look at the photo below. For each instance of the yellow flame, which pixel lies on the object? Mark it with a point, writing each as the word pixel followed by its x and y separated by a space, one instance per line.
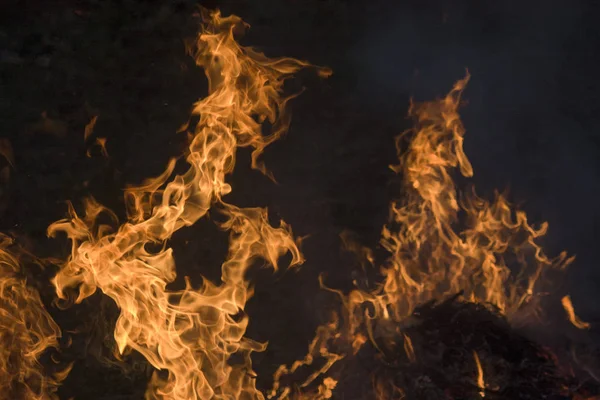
pixel 191 334
pixel 430 257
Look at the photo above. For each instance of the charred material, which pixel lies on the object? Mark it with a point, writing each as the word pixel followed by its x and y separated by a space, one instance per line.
pixel 435 356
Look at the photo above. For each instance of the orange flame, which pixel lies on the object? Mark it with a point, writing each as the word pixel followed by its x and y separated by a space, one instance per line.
pixel 429 257
pixel 191 335
pixel 441 242
pixel 570 310
pixel 480 380
pixel 26 332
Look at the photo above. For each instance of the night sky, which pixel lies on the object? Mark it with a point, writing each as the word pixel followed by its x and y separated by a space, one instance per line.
pixel 532 118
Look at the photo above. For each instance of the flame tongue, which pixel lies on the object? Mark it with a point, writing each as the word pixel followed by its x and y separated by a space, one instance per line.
pixel 191 334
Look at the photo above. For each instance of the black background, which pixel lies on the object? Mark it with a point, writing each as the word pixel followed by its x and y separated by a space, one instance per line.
pixel 532 119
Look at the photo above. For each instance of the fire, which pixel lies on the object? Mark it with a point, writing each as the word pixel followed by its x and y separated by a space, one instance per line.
pixel 441 242
pixel 568 306
pixel 27 331
pixel 430 257
pixel 480 380
pixel 191 335
pixel 408 348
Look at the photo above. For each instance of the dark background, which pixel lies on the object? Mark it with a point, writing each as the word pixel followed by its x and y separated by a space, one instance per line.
pixel 532 119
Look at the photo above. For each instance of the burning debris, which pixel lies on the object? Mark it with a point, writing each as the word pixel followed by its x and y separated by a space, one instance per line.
pixel 409 337
pixel 456 350
pixel 441 241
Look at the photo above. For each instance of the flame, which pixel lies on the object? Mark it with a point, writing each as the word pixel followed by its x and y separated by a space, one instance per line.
pixel 101 143
pixel 191 336
pixel 494 259
pixel 318 348
pixel 89 128
pixel 429 256
pixel 27 331
pixel 441 242
pixel 480 380
pixel 409 349
pixel 568 306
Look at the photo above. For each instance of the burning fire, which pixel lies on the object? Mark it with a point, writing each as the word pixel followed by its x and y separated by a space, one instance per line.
pixel 431 257
pixel 191 335
pixel 26 332
pixel 440 242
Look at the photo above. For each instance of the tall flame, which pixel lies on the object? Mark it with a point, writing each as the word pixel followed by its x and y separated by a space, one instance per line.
pixel 440 242
pixel 27 331
pixel 191 335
